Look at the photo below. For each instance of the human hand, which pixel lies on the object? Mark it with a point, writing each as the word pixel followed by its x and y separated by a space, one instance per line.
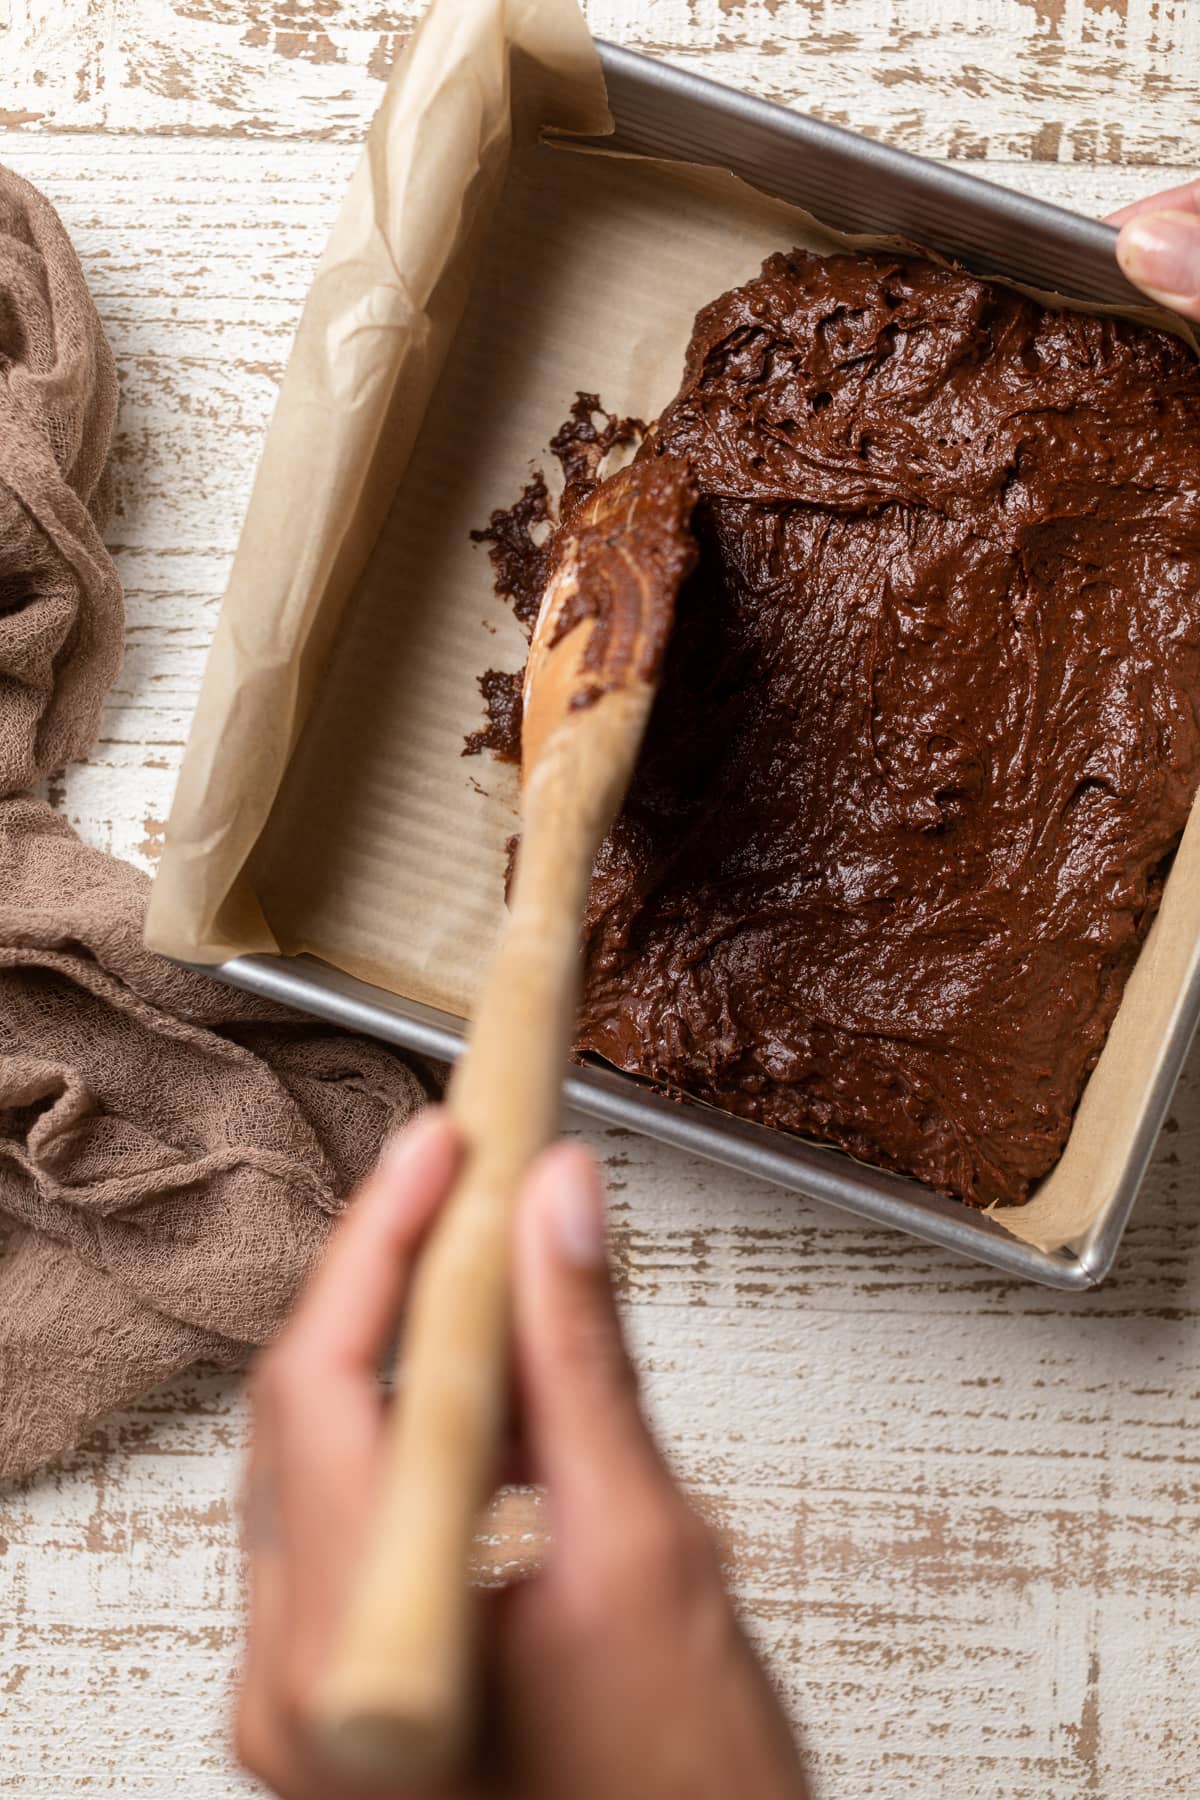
pixel 1159 247
pixel 619 1669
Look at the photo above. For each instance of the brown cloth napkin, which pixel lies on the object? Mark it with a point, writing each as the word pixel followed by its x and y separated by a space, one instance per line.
pixel 171 1152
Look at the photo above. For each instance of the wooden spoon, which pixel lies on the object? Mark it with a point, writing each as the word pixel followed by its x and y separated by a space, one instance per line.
pixel 398 1696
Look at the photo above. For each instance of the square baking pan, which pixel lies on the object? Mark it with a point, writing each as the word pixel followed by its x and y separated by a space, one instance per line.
pixel 870 188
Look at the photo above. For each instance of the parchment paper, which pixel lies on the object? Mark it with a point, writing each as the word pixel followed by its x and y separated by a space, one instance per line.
pixel 475 280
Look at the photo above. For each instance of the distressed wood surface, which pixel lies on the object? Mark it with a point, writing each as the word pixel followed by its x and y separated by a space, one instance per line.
pixel 962 1513
pixel 1050 79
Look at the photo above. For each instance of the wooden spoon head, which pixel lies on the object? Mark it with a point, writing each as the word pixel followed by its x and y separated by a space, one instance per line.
pixel 618 562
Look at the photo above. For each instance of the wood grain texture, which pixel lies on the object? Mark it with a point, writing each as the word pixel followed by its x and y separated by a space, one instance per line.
pixel 1065 80
pixel 963 1514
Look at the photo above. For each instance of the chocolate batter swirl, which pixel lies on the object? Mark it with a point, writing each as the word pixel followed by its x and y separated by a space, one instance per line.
pixel 928 732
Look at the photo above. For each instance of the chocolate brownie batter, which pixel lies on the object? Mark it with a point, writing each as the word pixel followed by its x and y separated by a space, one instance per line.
pixel 929 726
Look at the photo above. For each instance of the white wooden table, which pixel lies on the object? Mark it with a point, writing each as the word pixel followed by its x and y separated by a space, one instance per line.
pixel 962 1512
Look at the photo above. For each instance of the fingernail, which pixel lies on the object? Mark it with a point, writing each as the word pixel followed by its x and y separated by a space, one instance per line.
pixel 1160 251
pixel 399 1149
pixel 578 1215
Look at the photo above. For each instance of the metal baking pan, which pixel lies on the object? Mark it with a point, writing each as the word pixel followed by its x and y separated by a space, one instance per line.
pixel 664 112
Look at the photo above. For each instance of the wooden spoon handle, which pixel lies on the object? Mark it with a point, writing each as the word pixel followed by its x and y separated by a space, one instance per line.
pixel 397 1695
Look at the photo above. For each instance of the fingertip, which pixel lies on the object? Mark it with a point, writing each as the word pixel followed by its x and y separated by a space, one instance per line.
pixel 579 1392
pixel 562 1213
pixel 432 1125
pixel 417 1165
pixel 1184 198
pixel 347 1310
pixel 1159 252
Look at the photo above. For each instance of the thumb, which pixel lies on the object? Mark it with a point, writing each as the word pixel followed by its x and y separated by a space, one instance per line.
pixel 582 1423
pixel 1159 251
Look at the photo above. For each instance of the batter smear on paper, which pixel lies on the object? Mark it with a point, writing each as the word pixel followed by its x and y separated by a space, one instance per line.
pixel 929 724
pixel 519 540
